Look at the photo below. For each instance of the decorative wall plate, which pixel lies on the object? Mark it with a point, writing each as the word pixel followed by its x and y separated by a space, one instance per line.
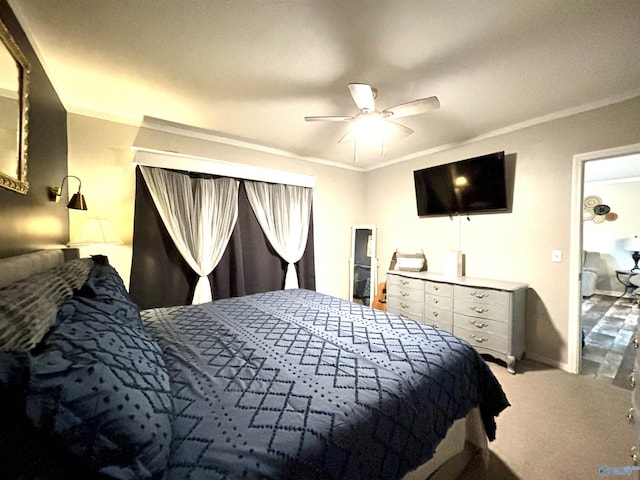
pixel 591 201
pixel 587 214
pixel 598 219
pixel 610 217
pixel 601 209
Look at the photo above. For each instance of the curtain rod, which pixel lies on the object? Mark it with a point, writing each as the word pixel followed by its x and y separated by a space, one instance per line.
pixel 191 163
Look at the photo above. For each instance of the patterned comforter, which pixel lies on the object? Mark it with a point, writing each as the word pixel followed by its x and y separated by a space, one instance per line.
pixel 297 384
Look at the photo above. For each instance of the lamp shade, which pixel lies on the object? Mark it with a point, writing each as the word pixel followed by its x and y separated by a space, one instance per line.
pixel 95 231
pixel 632 244
pixel 77 202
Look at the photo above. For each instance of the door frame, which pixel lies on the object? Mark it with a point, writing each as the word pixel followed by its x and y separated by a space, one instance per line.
pixel 574 347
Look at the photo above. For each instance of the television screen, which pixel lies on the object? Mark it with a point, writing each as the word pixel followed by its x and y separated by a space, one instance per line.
pixel 473 185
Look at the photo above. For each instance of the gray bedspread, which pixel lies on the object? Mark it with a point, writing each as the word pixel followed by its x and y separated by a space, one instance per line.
pixel 297 384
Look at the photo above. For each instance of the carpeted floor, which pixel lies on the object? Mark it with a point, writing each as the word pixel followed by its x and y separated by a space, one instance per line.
pixel 608 324
pixel 559 426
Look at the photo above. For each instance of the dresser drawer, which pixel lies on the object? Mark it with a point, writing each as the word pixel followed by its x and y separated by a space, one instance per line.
pixel 405 283
pixel 476 309
pixel 436 301
pixel 405 308
pixel 496 343
pixel 481 325
pixel 440 289
pixel 406 289
pixel 481 295
pixel 438 318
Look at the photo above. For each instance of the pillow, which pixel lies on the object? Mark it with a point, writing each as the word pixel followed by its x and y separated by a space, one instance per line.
pixel 100 388
pixel 105 285
pixel 28 307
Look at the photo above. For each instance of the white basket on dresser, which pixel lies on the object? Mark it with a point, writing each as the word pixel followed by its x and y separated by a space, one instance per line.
pixel 489 314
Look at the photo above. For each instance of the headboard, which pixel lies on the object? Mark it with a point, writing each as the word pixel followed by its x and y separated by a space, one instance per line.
pixel 13 269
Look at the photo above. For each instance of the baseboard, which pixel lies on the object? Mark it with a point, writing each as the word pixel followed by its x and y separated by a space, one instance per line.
pixel 610 293
pixel 548 361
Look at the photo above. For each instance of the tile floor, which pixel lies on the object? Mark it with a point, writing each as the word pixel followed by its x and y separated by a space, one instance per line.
pixel 608 323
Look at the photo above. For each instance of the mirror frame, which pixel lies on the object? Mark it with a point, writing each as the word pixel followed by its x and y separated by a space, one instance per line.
pixel 374 261
pixel 19 184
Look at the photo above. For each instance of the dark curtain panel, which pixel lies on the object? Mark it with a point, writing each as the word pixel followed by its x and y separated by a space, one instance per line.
pixel 160 277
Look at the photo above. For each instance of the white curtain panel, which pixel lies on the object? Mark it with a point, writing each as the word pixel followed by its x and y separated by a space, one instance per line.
pixel 199 215
pixel 283 212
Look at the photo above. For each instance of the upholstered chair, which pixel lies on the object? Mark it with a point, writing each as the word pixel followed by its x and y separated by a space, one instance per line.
pixel 590 271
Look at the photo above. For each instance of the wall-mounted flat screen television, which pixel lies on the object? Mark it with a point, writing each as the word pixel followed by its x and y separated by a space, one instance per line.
pixel 474 185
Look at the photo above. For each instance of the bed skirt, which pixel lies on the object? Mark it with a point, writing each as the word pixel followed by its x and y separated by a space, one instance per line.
pixel 465 446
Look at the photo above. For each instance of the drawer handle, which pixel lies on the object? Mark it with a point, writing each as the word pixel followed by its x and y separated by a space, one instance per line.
pixel 630 415
pixel 479 324
pixel 436 288
pixel 404 282
pixel 435 300
pixel 405 294
pixel 479 295
pixel 404 305
pixel 635 340
pixel 435 314
pixel 634 455
pixel 479 309
pixel 632 379
pixel 479 339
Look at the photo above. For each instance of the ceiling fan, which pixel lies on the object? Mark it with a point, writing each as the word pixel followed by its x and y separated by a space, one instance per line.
pixel 377 123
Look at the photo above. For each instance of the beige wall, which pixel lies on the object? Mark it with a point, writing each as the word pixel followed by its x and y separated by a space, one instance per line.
pixel 99 153
pixel 511 246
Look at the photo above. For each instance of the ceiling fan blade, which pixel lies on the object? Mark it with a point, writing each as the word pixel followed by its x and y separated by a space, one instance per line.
pixel 362 96
pixel 413 108
pixel 397 130
pixel 328 119
pixel 348 137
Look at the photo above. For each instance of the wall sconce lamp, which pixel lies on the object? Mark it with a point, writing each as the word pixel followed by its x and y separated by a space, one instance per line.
pixel 77 201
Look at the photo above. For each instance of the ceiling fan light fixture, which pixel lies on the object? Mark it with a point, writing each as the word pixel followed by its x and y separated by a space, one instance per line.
pixel 370 126
pixel 369 130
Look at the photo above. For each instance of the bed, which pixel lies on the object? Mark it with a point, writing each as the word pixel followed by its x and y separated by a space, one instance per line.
pixel 284 384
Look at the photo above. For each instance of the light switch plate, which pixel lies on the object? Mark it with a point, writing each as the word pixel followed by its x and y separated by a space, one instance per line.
pixel 556 256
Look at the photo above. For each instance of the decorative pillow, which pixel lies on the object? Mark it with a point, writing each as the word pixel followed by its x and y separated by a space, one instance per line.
pixel 100 387
pixel 28 307
pixel 105 285
pixel 76 271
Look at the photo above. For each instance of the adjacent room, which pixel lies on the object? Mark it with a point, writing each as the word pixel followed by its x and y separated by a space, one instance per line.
pixel 202 200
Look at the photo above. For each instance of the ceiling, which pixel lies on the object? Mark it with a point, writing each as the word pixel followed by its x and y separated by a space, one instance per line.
pixel 252 70
pixel 613 170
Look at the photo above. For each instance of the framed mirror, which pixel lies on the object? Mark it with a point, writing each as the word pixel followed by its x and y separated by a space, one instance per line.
pixel 363 264
pixel 14 113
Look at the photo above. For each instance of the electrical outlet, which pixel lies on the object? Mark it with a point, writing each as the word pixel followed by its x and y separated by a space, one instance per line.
pixel 556 256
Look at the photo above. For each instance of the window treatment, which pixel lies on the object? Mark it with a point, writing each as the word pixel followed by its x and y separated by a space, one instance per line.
pixel 283 212
pixel 199 214
pixel 161 278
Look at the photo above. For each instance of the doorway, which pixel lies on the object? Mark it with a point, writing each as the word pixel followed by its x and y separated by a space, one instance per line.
pixel 577 242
